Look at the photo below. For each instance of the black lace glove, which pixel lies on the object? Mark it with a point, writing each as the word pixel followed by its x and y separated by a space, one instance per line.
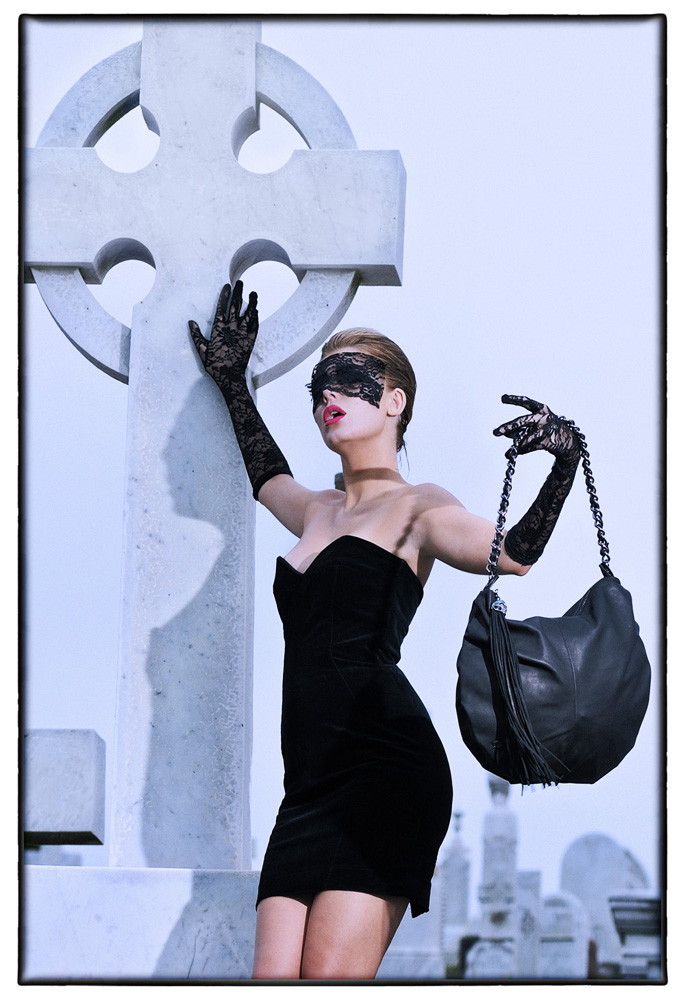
pixel 540 429
pixel 225 357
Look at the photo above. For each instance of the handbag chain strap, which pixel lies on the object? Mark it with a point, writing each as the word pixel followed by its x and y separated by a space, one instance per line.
pixel 512 455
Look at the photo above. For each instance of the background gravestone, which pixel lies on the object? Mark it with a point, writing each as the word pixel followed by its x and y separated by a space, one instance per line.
pixel 564 938
pixel 638 917
pixel 595 867
pixel 494 956
pixel 528 886
pixel 455 867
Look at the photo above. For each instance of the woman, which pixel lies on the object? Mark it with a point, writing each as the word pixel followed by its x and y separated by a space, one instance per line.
pixel 367 784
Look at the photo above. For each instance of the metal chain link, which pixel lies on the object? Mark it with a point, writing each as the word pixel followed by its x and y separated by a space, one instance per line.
pixel 592 493
pixel 512 455
pixel 496 547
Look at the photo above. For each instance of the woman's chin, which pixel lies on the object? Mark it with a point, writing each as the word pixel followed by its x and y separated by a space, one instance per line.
pixel 333 444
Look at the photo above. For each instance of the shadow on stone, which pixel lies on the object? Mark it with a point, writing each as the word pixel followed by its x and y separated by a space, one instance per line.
pixel 213 938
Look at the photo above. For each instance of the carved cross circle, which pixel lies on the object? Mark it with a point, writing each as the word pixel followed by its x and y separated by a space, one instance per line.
pixel 334 214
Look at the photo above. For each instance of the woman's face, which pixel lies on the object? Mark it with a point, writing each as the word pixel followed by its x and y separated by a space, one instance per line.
pixel 349 373
pixel 349 397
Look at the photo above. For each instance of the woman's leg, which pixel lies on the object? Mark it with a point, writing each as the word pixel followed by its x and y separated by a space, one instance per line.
pixel 279 940
pixel 348 933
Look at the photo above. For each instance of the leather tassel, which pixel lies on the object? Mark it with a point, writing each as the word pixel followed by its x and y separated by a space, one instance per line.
pixel 523 750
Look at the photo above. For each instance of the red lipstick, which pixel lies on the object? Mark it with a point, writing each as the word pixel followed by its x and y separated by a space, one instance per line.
pixel 332 414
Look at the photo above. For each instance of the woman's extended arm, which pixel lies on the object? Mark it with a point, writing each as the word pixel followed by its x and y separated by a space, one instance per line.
pixel 453 535
pixel 448 532
pixel 225 357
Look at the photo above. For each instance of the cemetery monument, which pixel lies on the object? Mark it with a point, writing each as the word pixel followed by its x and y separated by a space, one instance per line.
pixel 180 832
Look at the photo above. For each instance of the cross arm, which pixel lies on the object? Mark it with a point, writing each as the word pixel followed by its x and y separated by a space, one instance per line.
pixel 77 210
pixel 341 209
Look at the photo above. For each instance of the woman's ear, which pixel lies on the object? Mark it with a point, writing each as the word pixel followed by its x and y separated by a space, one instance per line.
pixel 396 402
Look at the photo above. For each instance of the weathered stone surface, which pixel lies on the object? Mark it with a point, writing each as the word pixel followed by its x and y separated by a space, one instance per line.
pixel 179 903
pixel 115 924
pixel 335 216
pixel 64 787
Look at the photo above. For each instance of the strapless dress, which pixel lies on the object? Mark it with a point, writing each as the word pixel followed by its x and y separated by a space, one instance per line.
pixel 368 791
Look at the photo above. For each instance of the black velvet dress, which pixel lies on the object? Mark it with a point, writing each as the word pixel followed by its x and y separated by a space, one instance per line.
pixel 368 793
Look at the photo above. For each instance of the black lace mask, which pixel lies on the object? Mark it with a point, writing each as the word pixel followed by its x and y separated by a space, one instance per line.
pixel 350 373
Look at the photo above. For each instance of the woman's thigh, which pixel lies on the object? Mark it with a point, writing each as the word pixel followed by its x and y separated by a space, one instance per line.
pixel 279 939
pixel 348 933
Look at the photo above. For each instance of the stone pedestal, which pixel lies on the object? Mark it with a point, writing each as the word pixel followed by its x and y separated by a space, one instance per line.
pixel 122 924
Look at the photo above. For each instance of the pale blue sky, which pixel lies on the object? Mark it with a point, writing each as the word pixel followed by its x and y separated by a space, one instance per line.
pixel 531 266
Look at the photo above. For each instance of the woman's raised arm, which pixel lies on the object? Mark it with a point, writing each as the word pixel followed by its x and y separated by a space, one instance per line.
pixel 225 357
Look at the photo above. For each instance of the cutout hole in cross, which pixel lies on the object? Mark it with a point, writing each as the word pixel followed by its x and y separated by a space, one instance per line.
pixel 273 282
pixel 129 144
pixel 124 286
pixel 271 146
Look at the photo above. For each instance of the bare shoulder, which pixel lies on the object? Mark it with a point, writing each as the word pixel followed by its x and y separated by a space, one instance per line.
pixel 322 499
pixel 327 497
pixel 429 496
pixel 321 504
pixel 293 504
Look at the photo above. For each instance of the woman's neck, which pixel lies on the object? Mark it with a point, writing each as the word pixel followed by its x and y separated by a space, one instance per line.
pixel 365 481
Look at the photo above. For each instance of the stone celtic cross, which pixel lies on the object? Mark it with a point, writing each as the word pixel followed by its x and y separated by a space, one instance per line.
pixel 334 214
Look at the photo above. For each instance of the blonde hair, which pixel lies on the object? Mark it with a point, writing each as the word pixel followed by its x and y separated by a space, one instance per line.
pixel 399 373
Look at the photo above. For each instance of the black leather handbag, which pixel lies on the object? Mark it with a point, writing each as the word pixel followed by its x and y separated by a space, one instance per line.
pixel 550 700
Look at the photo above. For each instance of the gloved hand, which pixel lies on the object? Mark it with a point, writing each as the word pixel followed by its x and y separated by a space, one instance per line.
pixel 540 429
pixel 226 354
pixel 225 357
